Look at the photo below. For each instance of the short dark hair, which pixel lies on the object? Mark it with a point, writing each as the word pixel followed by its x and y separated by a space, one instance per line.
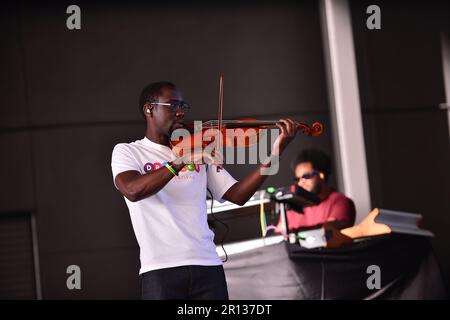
pixel 319 160
pixel 151 93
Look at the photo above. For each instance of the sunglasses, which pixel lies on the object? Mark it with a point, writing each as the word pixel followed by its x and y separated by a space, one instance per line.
pixel 174 105
pixel 307 176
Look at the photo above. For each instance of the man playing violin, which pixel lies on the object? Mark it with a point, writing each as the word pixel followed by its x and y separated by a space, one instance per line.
pixel 166 197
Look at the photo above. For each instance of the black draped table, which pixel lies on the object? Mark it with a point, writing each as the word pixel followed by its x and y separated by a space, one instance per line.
pixel 407 269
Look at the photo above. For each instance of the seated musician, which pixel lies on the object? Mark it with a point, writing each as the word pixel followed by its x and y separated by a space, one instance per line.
pixel 312 169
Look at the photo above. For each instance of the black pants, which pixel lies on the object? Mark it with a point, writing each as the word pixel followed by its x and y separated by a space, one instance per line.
pixel 185 282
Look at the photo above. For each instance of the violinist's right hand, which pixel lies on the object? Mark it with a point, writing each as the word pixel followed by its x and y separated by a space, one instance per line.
pixel 199 156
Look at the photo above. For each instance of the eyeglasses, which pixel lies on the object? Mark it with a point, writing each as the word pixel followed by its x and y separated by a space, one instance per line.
pixel 174 105
pixel 307 176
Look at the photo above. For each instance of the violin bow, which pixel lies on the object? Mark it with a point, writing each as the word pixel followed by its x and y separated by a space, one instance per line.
pixel 219 116
pixel 315 130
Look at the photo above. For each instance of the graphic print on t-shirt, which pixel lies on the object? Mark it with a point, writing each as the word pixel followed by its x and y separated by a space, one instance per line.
pixel 182 174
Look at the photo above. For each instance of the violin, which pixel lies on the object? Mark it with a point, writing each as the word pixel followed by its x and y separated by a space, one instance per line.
pixel 231 133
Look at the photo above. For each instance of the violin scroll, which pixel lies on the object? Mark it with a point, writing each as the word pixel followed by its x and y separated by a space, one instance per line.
pixel 315 130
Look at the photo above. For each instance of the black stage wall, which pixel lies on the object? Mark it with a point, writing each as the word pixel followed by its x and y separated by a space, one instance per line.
pixel 69 96
pixel 406 133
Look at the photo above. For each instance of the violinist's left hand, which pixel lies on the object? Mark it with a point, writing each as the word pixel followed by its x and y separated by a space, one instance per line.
pixel 288 130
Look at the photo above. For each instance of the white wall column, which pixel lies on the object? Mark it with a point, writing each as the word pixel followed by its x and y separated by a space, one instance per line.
pixel 445 45
pixel 345 109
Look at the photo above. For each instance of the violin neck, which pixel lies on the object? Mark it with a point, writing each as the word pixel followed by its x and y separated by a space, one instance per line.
pixel 233 124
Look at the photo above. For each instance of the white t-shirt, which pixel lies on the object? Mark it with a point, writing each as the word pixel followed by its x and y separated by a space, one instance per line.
pixel 171 226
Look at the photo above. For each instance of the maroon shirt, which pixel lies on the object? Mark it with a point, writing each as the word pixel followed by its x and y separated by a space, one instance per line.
pixel 336 206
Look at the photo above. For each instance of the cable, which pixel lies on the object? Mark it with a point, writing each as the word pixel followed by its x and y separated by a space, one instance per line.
pixel 322 285
pixel 263 221
pixel 262 215
pixel 223 223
